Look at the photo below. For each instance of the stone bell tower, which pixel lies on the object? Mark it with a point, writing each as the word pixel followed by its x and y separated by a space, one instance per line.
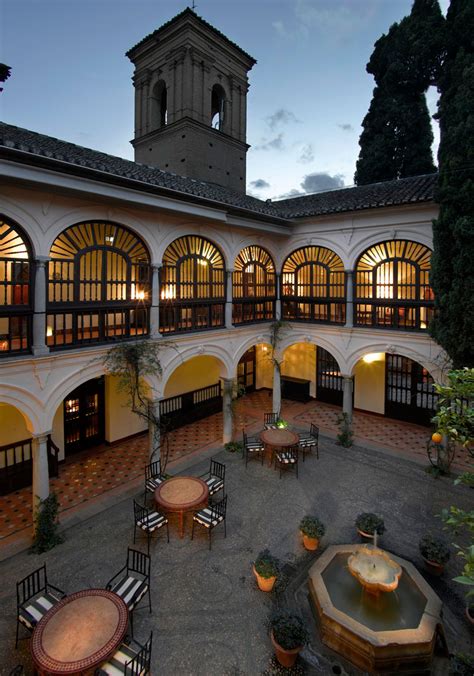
pixel 191 101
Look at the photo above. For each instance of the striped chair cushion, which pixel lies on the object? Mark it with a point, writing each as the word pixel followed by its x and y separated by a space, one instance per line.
pixel 214 484
pixel 286 458
pixel 34 609
pixel 152 522
pixel 153 483
pixel 131 590
pixel 270 426
pixel 206 518
pixel 254 444
pixel 308 441
pixel 115 665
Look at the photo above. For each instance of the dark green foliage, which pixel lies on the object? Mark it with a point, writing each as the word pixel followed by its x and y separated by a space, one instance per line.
pixel 46 525
pixel 289 630
pixel 461 664
pixel 5 72
pixel 344 437
pixel 266 564
pixel 234 446
pixel 396 139
pixel 368 522
pixel 312 527
pixel 452 275
pixel 434 549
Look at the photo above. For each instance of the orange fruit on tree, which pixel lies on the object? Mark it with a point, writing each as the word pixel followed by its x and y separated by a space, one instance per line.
pixel 436 437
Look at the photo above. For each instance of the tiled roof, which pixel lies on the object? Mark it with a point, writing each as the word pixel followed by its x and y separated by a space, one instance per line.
pixel 188 12
pixel 61 155
pixel 388 193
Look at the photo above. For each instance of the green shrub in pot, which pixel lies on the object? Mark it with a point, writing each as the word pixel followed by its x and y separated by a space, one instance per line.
pixel 369 523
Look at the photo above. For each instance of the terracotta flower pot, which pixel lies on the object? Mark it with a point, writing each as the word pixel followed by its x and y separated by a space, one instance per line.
pixel 363 534
pixel 433 567
pixel 286 658
pixel 311 544
pixel 264 583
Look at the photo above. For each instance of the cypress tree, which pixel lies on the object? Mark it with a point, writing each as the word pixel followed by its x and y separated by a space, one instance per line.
pixel 396 139
pixel 452 275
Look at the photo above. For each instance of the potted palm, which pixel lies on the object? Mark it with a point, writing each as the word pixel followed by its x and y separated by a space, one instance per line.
pixel 288 636
pixel 312 530
pixel 266 569
pixel 368 524
pixel 435 553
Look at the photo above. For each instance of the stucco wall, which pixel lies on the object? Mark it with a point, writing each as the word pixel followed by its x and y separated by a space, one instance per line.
pixel 120 422
pixel 192 375
pixel 299 361
pixel 369 385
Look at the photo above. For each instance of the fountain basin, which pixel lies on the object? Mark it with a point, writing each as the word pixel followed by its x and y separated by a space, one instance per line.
pixel 394 631
pixel 374 570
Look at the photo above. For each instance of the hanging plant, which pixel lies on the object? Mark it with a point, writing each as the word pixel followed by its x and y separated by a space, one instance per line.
pixel 131 363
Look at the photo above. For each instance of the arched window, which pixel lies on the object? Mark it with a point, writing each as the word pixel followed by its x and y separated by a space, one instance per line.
pixel 253 286
pixel 159 105
pixel 15 290
pixel 392 286
pixel 192 286
pixel 99 285
pixel 313 286
pixel 217 107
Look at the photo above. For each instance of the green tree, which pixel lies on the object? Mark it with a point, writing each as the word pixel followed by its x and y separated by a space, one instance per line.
pixel 396 139
pixel 452 276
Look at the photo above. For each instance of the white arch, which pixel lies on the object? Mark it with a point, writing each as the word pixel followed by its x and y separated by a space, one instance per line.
pixel 255 241
pixel 27 404
pixel 387 236
pixel 301 242
pixel 246 345
pixel 329 345
pixel 396 348
pixel 200 351
pixel 205 232
pixel 27 223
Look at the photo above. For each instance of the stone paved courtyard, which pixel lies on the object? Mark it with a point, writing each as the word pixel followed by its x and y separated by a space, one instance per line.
pixel 208 616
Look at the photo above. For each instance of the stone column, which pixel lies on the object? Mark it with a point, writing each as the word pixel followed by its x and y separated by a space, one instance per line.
pixel 39 316
pixel 227 391
pixel 348 382
pixel 155 302
pixel 229 298
pixel 278 296
pixel 154 435
pixel 276 389
pixel 39 446
pixel 349 299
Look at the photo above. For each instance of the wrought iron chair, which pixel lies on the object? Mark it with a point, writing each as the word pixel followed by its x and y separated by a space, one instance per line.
pixel 270 420
pixel 287 459
pixel 148 521
pixel 215 478
pixel 34 597
pixel 153 477
pixel 131 659
pixel 310 441
pixel 253 448
pixel 132 582
pixel 210 517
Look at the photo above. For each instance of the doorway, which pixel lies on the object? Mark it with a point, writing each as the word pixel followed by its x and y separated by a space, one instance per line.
pixel 84 417
pixel 329 385
pixel 409 393
pixel 246 370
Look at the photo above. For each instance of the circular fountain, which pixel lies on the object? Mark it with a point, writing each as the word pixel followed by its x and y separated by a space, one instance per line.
pixel 374 609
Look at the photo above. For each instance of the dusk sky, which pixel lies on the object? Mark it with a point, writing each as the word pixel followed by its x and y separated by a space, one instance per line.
pixel 309 89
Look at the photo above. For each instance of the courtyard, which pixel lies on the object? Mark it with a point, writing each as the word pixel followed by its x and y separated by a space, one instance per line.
pixel 208 616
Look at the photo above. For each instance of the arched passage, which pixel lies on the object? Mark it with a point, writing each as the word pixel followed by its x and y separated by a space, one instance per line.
pixel 311 371
pixel 16 453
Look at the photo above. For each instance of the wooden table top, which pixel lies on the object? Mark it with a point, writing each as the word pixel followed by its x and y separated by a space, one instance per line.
pixel 279 437
pixel 79 632
pixel 181 493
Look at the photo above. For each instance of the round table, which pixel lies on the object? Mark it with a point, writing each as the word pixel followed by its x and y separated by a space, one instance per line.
pixel 79 632
pixel 278 438
pixel 182 494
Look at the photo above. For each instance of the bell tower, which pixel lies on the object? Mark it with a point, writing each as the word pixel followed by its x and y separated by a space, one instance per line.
pixel 191 101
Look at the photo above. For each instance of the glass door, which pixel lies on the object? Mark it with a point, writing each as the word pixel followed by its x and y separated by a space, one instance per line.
pixel 84 417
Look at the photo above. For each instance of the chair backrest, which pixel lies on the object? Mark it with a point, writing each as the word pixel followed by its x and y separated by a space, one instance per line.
pixel 219 508
pixel 141 662
pixel 314 431
pixel 270 418
pixel 217 469
pixel 293 451
pixel 31 585
pixel 244 437
pixel 153 470
pixel 141 513
pixel 138 562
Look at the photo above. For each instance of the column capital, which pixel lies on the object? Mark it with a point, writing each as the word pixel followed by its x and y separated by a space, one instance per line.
pixel 41 438
pixel 230 270
pixel 349 271
pixel 42 260
pixel 156 266
pixel 347 377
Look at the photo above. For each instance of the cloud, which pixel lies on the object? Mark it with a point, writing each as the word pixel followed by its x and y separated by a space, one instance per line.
pixel 346 127
pixel 273 144
pixel 259 183
pixel 337 18
pixel 280 117
pixel 320 181
pixel 279 27
pixel 307 154
pixel 292 193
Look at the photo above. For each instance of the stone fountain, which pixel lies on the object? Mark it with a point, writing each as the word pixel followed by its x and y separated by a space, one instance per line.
pixel 374 608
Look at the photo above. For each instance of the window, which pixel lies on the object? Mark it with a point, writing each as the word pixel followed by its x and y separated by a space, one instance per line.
pixel 217 107
pixel 99 285
pixel 15 290
pixel 313 286
pixel 159 105
pixel 192 286
pixel 392 286
pixel 253 283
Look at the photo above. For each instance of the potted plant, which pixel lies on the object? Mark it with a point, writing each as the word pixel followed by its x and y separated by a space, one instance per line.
pixel 281 424
pixel 288 636
pixel 461 664
pixel 312 530
pixel 368 523
pixel 435 553
pixel 266 569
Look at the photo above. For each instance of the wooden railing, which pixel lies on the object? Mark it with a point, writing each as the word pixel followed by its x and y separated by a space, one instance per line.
pixel 190 406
